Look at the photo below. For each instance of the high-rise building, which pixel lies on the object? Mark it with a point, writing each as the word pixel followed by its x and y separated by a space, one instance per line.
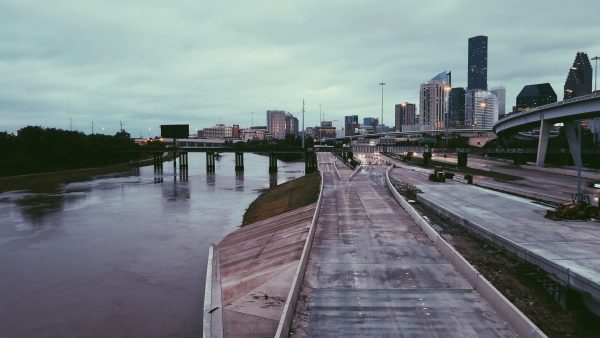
pixel 456 107
pixel 350 125
pixel 535 95
pixel 579 79
pixel 481 109
pixel 405 115
pixel 276 123
pixel 291 124
pixel 477 71
pixel 371 121
pixel 500 93
pixel 433 101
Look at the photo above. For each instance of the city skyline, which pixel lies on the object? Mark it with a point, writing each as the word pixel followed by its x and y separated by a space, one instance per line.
pixel 72 64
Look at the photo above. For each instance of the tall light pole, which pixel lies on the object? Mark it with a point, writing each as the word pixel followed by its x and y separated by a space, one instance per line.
pixel 303 130
pixel 382 84
pixel 595 58
pixel 320 126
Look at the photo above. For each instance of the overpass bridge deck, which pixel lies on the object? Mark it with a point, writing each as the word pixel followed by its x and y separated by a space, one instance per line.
pixel 372 272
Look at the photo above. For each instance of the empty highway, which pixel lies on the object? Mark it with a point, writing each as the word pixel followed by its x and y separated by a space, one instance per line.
pixel 372 272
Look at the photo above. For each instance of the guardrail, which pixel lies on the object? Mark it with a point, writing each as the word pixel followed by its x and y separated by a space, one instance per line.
pixel 285 322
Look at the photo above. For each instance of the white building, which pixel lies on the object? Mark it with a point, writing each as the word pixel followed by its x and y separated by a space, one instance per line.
pixel 481 109
pixel 434 101
pixel 500 93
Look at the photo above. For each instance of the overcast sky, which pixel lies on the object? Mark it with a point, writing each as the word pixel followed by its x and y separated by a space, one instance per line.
pixel 201 62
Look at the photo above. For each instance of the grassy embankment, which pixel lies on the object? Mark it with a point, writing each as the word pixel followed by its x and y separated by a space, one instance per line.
pixel 291 195
pixel 49 180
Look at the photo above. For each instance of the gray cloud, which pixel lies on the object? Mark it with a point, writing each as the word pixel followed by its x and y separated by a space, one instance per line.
pixel 148 63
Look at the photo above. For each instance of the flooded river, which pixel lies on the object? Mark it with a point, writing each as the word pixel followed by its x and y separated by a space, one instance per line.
pixel 120 255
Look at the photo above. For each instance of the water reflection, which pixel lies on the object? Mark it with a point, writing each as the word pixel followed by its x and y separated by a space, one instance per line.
pixel 176 191
pixel 210 180
pixel 239 181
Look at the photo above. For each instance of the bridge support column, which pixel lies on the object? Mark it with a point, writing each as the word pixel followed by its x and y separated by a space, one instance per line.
pixel 183 166
pixel 310 162
pixel 210 162
pixel 157 160
pixel 572 129
pixel 543 142
pixel 239 161
pixel 426 158
pixel 272 162
pixel 462 159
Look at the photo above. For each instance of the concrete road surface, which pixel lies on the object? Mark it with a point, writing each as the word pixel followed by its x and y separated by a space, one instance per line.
pixel 373 273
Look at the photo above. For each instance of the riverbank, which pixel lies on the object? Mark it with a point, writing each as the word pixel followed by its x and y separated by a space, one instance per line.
pixel 291 195
pixel 49 180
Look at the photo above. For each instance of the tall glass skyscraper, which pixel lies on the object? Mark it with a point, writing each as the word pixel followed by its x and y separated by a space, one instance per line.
pixel 477 72
pixel 456 107
pixel 579 79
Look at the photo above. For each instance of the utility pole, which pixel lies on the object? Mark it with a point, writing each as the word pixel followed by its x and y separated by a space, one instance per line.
pixel 121 123
pixel 303 124
pixel 70 124
pixel 382 84
pixel 92 127
pixel 252 119
pixel 595 58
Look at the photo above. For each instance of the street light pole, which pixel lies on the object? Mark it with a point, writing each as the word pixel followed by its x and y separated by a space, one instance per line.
pixel 382 84
pixel 303 130
pixel 595 58
pixel 320 126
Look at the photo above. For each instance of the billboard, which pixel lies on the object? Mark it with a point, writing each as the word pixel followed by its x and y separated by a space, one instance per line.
pixel 175 130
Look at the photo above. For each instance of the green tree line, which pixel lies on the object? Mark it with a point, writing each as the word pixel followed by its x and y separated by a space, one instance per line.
pixel 35 149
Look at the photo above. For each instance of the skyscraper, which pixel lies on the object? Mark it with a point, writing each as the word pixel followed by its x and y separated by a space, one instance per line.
pixel 535 95
pixel 276 123
pixel 405 115
pixel 433 101
pixel 477 71
pixel 456 107
pixel 500 93
pixel 350 124
pixel 481 109
pixel 579 79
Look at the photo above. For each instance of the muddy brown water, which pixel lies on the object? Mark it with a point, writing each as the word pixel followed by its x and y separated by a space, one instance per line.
pixel 120 255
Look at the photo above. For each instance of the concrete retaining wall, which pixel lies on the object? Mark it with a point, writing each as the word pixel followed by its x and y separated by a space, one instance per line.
pixel 513 316
pixel 212 325
pixel 285 322
pixel 557 272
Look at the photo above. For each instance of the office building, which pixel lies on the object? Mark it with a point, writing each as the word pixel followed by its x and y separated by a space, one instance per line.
pixel 291 124
pixel 579 79
pixel 500 93
pixel 371 121
pixel 477 65
pixel 433 101
pixel 456 108
pixel 350 125
pixel 276 123
pixel 219 131
pixel 405 115
pixel 535 95
pixel 481 109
